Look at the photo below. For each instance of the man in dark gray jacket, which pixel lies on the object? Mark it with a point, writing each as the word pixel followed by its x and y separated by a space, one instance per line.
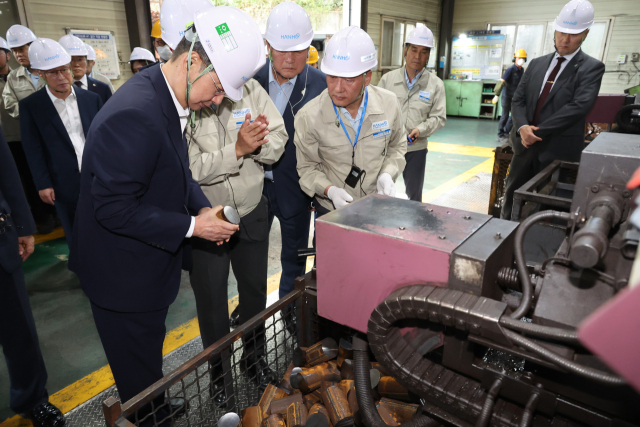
pixel 552 101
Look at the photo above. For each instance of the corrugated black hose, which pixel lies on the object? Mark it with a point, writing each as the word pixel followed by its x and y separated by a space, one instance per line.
pixel 370 416
pixel 487 409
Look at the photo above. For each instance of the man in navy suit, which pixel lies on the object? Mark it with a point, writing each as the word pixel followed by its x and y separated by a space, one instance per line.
pixel 54 123
pixel 78 51
pixel 18 336
pixel 138 203
pixel 291 83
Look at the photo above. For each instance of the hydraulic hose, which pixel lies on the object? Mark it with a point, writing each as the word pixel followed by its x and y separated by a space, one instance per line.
pixel 584 371
pixel 487 408
pixel 530 408
pixel 370 415
pixel 527 291
pixel 550 332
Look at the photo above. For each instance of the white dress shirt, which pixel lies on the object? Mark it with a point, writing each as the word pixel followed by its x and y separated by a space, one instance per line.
pixel 554 62
pixel 183 113
pixel 70 116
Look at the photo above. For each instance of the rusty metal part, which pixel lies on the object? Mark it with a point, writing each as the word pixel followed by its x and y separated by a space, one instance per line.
pixel 310 400
pixel 251 417
pixel 311 379
pixel 296 415
pixel 299 356
pixel 345 351
pixel 318 416
pixel 390 388
pixel 338 407
pixel 273 421
pixel 270 394
pixel 346 386
pixel 346 371
pixel 352 398
pixel 280 406
pixel 322 351
pixel 386 415
pixel 285 383
pixel 401 411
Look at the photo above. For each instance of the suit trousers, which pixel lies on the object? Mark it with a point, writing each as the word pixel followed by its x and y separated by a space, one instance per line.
pixel 133 343
pixel 523 167
pixel 295 235
pixel 413 173
pixel 247 252
pixel 506 123
pixel 19 341
pixel 39 209
pixel 67 214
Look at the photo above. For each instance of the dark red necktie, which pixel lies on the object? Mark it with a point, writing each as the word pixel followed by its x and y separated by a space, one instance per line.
pixel 547 88
pixel 78 83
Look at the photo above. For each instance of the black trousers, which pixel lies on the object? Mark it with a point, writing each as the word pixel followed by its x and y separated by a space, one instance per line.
pixel 39 209
pixel 248 253
pixel 413 173
pixel 295 235
pixel 66 213
pixel 133 345
pixel 19 341
pixel 506 123
pixel 523 167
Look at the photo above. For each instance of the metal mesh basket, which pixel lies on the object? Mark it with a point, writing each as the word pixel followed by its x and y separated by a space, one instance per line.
pixel 267 333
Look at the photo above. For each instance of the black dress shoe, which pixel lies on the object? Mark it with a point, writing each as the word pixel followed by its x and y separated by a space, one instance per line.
pixel 178 406
pixel 259 372
pixel 234 319
pixel 46 415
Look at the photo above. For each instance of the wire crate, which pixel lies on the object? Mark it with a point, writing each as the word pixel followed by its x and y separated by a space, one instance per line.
pixel 192 380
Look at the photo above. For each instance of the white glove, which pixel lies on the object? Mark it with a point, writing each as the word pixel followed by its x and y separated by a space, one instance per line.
pixel 494 100
pixel 339 196
pixel 386 185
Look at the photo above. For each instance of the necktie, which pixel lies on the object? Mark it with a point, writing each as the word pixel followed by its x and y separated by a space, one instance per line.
pixel 547 88
pixel 78 83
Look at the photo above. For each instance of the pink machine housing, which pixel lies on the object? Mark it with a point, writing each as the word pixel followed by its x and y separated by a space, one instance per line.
pixel 370 248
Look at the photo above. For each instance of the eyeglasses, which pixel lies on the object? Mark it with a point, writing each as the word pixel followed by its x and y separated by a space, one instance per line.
pixel 61 73
pixel 218 90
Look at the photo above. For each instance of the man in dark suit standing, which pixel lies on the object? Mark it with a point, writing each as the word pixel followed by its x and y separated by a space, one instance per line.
pixel 18 336
pixel 138 201
pixel 79 52
pixel 291 83
pixel 54 123
pixel 552 100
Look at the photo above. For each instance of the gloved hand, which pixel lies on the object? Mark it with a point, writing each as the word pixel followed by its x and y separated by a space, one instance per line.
pixel 495 100
pixel 386 185
pixel 339 196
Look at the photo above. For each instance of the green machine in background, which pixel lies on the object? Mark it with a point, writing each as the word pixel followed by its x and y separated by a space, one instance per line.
pixel 471 98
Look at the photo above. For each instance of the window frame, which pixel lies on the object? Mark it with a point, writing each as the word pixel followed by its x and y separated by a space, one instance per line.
pixel 396 21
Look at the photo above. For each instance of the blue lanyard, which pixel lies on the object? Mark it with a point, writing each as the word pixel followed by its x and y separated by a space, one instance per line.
pixel 364 110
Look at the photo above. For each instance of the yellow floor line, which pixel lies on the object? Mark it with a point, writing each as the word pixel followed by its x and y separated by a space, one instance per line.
pixel 55 234
pixel 486 166
pixel 467 150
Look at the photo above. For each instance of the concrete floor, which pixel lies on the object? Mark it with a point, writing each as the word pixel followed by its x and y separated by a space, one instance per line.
pixel 68 338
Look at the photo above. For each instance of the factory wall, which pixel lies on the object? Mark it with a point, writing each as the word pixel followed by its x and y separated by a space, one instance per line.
pixel 623 38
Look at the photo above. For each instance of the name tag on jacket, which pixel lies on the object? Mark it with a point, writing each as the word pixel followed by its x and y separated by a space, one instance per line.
pixel 239 116
pixel 425 96
pixel 381 129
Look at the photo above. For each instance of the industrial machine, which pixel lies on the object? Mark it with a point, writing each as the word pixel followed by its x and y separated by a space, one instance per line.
pixel 451 308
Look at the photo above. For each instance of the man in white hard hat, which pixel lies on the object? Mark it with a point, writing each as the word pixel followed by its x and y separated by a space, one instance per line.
pixel 140 58
pixel 139 201
pixel 350 140
pixel 291 84
pixel 55 168
pixel 78 51
pixel 91 62
pixel 552 100
pixel 22 82
pixel 423 104
pixel 10 125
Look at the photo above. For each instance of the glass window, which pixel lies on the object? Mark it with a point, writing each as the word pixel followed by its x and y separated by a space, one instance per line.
pixel 387 43
pixel 593 45
pixel 398 44
pixel 510 32
pixel 529 38
pixel 395 33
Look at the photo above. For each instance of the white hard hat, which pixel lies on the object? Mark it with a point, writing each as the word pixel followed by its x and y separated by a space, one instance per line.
pixel 74 45
pixel 91 53
pixel 349 53
pixel 141 54
pixel 4 45
pixel 234 45
pixel 289 28
pixel 46 54
pixel 19 35
pixel 421 36
pixel 175 15
pixel 575 17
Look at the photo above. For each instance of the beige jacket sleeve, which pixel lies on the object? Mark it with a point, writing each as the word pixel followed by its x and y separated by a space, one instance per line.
pixel 394 161
pixel 312 178
pixel 438 114
pixel 10 100
pixel 278 137
pixel 210 168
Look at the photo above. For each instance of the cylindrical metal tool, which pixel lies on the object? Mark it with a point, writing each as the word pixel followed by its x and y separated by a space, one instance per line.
pixel 345 351
pixel 310 379
pixel 322 351
pixel 280 406
pixel 318 416
pixel 273 421
pixel 285 383
pixel 229 214
pixel 270 394
pixel 390 388
pixel 296 415
pixel 591 242
pixel 251 417
pixel 338 407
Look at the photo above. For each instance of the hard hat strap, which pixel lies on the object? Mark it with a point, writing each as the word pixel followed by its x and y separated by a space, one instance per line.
pixel 192 116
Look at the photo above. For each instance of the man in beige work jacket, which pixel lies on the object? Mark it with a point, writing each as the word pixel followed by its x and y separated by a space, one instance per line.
pixel 350 140
pixel 423 104
pixel 227 151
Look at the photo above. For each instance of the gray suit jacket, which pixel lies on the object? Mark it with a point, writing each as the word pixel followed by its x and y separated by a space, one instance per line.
pixel 562 118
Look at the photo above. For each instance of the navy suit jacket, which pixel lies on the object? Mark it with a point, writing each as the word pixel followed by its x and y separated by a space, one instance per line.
pixel 50 153
pixel 135 197
pixel 102 89
pixel 291 199
pixel 14 209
